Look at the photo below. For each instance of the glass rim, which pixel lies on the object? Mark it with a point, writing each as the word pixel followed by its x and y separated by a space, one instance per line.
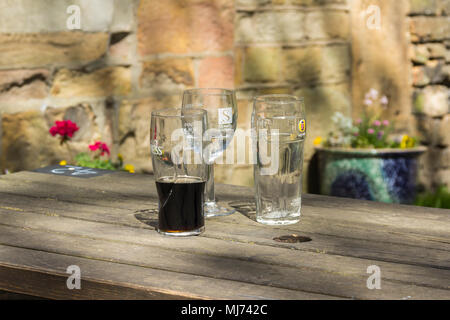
pixel 209 91
pixel 266 98
pixel 168 112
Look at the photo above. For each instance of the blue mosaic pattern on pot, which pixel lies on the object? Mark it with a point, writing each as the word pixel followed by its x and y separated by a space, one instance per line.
pixel 351 184
pixel 385 178
pixel 399 174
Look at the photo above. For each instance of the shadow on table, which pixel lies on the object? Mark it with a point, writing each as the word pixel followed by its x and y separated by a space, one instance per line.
pixel 245 207
pixel 148 216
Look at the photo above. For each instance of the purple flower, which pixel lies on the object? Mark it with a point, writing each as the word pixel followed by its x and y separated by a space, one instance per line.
pixel 358 121
pixel 377 123
pixel 385 122
pixel 370 131
pixel 368 102
pixel 380 134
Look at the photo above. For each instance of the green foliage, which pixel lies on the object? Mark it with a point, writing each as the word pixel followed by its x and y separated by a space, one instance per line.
pixel 85 160
pixel 438 199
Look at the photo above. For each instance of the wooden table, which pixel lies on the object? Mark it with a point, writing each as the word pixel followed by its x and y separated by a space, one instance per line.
pixel 105 225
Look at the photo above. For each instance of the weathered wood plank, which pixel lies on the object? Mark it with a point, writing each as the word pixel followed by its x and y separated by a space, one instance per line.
pixel 255 269
pixel 250 251
pixel 95 219
pixel 6 295
pixel 142 188
pixel 44 274
pixel 352 240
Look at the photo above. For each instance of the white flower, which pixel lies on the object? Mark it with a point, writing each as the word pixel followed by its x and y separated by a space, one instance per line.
pixel 384 100
pixel 337 116
pixel 373 94
pixel 368 102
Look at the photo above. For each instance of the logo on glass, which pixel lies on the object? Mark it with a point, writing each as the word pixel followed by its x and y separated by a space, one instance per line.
pixel 157 150
pixel 225 115
pixel 302 126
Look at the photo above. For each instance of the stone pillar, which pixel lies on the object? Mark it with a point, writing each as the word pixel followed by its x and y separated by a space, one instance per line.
pixel 380 57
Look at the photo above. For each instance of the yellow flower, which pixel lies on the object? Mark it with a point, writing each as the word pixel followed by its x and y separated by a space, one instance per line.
pixel 129 168
pixel 120 157
pixel 407 142
pixel 63 163
pixel 317 141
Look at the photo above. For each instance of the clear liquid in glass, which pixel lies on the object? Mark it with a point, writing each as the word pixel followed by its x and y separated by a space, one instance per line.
pixel 278 195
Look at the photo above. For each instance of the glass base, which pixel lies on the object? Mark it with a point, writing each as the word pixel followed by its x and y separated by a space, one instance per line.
pixel 214 210
pixel 195 232
pixel 278 218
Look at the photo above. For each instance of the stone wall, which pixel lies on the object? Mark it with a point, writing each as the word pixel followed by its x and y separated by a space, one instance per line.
pixel 128 58
pixel 131 57
pixel 299 47
pixel 430 73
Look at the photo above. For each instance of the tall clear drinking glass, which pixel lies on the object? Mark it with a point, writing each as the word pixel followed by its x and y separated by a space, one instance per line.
pixel 279 126
pixel 221 107
pixel 180 172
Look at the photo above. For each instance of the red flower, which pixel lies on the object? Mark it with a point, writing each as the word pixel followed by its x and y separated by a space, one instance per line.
pixel 65 129
pixel 98 145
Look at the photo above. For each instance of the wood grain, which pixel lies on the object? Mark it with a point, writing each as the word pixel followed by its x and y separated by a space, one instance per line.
pixel 48 222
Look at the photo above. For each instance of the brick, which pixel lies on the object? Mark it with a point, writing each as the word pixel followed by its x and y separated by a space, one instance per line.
pixel 261 64
pixel 123 17
pixel 317 2
pixel 18 78
pixel 444 7
pixel 121 50
pixel 434 71
pixel 420 54
pixel 327 24
pixel 317 63
pixel 279 2
pixel 436 50
pixel 62 48
pixel 238 66
pixel 446 73
pixel 23 85
pixel 216 72
pixel 441 158
pixel 447 56
pixel 170 73
pixel 270 26
pixel 22 133
pixel 423 7
pixel 174 26
pixel 29 16
pixel 429 28
pixel 102 82
pixel 420 78
pixel 426 129
pixel 444 131
pixel 432 101
pixel 251 3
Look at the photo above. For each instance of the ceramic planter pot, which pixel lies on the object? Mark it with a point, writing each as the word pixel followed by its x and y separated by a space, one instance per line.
pixel 385 175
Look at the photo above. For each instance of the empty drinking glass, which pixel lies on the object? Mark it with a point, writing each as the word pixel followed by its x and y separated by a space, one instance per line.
pixel 221 107
pixel 279 128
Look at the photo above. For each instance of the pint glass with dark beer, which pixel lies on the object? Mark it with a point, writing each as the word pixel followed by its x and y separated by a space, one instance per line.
pixel 176 143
